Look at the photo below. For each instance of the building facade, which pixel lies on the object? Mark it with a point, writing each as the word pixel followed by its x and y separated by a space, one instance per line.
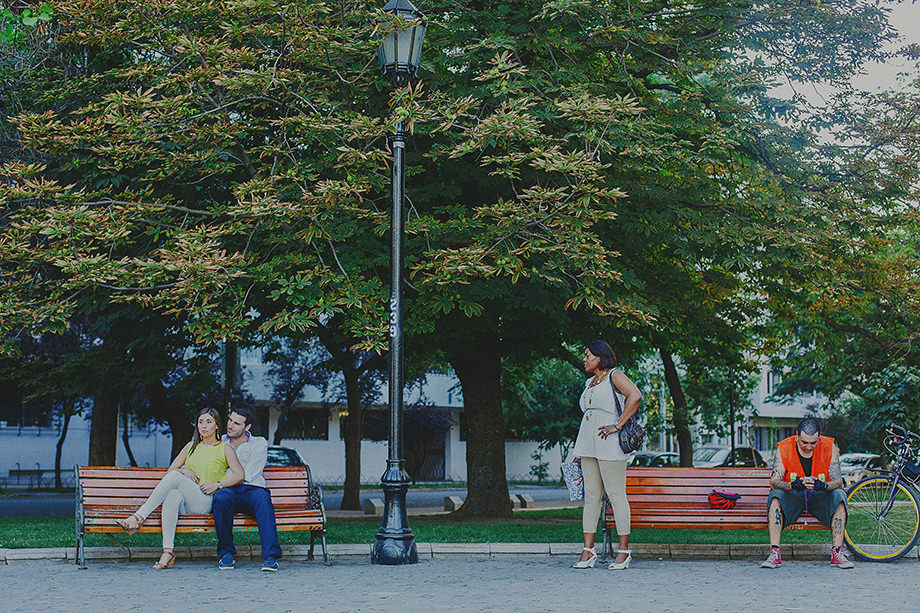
pixel 317 424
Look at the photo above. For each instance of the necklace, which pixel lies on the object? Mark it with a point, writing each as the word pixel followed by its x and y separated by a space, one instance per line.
pixel 594 384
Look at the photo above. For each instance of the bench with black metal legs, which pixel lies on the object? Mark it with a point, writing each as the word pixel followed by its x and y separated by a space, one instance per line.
pixel 679 498
pixel 107 493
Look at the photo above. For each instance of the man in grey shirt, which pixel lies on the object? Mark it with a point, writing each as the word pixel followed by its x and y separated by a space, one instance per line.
pixel 250 497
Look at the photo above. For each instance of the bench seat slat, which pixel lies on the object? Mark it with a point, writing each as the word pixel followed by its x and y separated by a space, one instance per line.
pixel 97 495
pixel 652 501
pixel 193 523
pixel 143 471
pixel 697 484
pixel 695 492
pixel 148 482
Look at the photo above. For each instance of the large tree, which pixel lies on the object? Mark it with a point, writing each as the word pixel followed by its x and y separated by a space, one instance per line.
pixel 211 157
pixel 716 233
pixel 572 164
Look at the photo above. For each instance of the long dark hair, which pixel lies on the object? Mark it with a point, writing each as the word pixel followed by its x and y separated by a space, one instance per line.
pixel 196 436
pixel 602 350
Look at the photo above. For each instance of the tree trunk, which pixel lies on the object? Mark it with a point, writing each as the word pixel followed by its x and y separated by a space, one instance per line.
pixel 68 411
pixel 181 428
pixel 180 424
pixel 284 414
pixel 126 440
pixel 680 418
pixel 345 359
pixel 351 495
pixel 477 361
pixel 279 431
pixel 103 431
pixel 231 375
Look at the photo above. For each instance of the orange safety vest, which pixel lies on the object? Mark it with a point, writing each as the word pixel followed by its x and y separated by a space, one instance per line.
pixel 820 459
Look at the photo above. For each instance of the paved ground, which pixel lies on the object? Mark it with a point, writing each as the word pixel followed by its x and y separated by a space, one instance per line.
pixel 471 583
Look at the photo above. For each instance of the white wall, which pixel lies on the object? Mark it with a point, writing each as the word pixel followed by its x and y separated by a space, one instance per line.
pixel 327 457
pixel 33 448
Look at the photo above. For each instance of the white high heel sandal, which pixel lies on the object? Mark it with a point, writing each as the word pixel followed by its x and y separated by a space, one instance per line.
pixel 589 563
pixel 625 563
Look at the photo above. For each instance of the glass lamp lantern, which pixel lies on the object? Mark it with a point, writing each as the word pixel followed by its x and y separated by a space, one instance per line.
pixel 401 48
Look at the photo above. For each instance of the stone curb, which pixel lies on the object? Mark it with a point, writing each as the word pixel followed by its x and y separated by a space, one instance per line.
pixel 649 551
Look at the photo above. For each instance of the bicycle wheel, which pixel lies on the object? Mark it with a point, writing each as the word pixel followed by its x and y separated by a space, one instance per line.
pixel 877 535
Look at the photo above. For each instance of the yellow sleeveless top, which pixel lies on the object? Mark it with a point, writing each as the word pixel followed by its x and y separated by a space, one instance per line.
pixel 208 462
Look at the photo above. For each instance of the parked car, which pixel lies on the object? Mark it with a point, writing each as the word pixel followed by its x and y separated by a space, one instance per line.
pixel 284 456
pixel 655 458
pixel 712 456
pixel 856 466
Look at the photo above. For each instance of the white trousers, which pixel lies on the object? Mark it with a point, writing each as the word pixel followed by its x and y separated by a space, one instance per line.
pixel 179 495
pixel 600 475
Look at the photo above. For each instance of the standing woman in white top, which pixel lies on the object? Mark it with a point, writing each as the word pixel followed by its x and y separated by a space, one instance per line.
pixel 603 463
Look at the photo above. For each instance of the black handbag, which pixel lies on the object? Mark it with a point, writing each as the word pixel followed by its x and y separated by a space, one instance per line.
pixel 631 434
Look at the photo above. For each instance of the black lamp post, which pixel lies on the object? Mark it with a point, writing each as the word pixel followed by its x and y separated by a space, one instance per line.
pixel 400 52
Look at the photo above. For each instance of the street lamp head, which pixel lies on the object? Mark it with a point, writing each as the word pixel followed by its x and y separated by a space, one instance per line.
pixel 401 48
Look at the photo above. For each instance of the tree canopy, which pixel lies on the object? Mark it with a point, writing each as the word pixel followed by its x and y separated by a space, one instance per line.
pixel 573 166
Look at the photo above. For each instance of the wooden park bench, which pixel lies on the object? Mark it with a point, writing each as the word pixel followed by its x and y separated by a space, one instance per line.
pixel 679 498
pixel 107 493
pixel 33 477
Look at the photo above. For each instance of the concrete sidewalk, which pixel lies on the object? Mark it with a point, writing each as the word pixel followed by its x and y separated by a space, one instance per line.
pixel 466 582
pixel 561 552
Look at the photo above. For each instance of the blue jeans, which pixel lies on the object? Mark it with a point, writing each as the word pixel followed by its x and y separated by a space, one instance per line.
pixel 250 500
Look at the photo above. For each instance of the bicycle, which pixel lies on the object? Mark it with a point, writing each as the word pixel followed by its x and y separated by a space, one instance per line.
pixel 883 511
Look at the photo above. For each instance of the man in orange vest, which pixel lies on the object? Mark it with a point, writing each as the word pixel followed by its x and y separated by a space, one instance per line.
pixel 806 476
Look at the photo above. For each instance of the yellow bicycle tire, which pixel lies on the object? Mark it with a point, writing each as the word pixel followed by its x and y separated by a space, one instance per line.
pixel 872 536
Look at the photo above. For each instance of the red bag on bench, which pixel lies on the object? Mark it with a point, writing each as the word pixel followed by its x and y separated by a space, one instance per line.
pixel 722 500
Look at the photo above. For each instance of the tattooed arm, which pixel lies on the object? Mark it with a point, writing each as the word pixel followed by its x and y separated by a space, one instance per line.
pixel 834 477
pixel 779 471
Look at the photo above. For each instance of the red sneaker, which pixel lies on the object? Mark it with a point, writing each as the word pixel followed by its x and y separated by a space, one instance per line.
pixel 774 560
pixel 839 559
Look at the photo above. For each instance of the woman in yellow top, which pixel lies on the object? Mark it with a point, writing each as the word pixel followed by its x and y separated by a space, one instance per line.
pixel 198 471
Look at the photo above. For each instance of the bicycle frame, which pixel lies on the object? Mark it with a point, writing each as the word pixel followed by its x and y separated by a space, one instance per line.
pixel 899 438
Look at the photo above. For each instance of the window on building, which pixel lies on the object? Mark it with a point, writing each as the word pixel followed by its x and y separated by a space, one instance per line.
pixel 761 438
pixel 774 378
pixel 306 423
pixel 260 420
pixel 375 424
pixel 15 412
pixel 766 437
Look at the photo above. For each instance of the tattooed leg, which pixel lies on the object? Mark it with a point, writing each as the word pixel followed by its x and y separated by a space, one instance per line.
pixel 775 521
pixel 838 522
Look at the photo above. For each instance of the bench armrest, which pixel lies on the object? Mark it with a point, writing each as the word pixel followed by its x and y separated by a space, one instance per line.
pixel 316 496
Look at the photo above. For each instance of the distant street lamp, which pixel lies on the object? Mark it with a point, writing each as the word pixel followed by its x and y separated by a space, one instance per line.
pixel 400 52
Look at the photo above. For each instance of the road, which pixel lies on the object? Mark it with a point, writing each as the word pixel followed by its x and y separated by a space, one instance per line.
pixel 59 505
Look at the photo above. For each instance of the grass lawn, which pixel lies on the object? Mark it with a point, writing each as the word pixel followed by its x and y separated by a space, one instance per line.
pixel 551 526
